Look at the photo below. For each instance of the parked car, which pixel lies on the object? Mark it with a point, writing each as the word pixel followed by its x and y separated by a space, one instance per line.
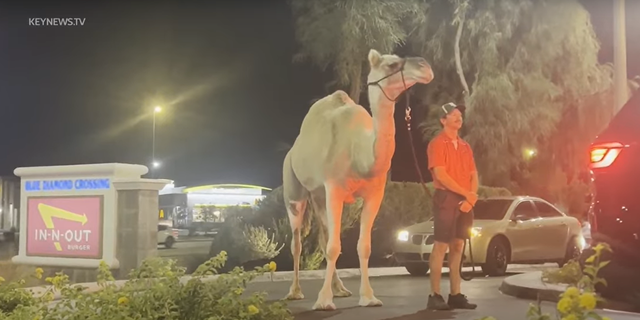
pixel 167 236
pixel 614 211
pixel 516 229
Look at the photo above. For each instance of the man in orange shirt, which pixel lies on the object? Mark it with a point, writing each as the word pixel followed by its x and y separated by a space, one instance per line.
pixel 455 179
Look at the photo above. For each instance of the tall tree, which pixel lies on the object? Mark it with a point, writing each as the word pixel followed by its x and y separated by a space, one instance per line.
pixel 340 33
pixel 526 63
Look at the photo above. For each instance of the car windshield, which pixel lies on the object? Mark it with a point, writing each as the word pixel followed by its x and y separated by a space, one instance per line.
pixel 491 209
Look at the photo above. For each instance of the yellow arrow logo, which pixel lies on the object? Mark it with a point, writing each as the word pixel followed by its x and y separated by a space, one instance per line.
pixel 48 212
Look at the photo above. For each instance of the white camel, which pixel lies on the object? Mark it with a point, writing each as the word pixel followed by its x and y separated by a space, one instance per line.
pixel 342 153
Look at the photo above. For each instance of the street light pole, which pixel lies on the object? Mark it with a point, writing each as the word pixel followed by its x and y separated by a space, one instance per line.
pixel 154 163
pixel 619 56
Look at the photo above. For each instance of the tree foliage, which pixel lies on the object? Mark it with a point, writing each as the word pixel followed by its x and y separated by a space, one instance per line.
pixel 531 67
pixel 340 33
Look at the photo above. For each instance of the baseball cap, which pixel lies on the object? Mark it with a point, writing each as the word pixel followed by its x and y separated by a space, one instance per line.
pixel 447 108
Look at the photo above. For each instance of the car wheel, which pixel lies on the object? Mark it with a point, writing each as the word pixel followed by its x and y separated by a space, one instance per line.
pixel 497 258
pixel 572 253
pixel 417 269
pixel 169 242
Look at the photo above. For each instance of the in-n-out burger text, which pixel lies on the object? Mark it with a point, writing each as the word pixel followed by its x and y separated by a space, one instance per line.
pixel 76 239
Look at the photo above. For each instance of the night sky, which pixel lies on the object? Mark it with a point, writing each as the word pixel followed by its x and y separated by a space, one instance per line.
pixel 222 71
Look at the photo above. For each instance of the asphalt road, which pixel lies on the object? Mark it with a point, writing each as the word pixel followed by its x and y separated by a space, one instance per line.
pixel 405 297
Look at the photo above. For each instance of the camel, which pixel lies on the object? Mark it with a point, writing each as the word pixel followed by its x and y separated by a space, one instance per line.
pixel 343 153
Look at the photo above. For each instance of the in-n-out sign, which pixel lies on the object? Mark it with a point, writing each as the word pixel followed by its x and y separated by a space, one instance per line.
pixel 67 185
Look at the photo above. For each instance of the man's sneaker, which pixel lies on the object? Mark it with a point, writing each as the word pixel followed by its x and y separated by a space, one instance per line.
pixel 459 301
pixel 436 302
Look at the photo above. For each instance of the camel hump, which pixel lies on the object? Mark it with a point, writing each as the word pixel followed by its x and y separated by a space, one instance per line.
pixel 341 97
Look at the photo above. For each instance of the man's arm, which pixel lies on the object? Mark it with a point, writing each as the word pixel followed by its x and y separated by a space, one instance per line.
pixel 474 178
pixel 446 180
pixel 474 182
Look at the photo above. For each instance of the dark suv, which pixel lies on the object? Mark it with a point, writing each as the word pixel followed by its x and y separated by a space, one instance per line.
pixel 614 212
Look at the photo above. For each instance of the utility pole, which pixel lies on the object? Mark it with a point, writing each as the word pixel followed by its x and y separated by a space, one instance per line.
pixel 619 56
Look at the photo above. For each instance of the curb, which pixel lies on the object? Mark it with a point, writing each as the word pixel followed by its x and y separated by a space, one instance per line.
pixel 514 286
pixel 280 276
pixel 530 286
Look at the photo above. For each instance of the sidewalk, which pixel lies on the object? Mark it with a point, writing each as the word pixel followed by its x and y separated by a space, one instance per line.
pixel 530 286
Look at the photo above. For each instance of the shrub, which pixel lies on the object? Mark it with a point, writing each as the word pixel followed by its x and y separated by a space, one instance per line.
pixel 570 273
pixel 246 242
pixel 577 302
pixel 405 203
pixel 154 291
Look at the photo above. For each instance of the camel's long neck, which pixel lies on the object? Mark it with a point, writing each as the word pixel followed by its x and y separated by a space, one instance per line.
pixel 384 128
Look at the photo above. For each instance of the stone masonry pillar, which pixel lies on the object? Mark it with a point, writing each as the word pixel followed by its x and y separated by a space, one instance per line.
pixel 137 226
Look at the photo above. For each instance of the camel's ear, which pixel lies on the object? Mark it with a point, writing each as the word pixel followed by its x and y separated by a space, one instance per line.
pixel 374 58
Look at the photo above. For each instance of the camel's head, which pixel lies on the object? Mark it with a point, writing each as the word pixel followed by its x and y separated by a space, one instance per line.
pixel 394 74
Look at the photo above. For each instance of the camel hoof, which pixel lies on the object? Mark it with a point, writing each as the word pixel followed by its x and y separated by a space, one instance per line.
pixel 370 302
pixel 294 295
pixel 342 293
pixel 324 305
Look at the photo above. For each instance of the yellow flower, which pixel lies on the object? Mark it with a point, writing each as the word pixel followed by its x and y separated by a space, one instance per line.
pixel 564 305
pixel 272 266
pixel 2 280
pixel 571 292
pixel 123 300
pixel 601 246
pixel 252 309
pixel 238 291
pixel 39 273
pixel 588 301
pixel 570 317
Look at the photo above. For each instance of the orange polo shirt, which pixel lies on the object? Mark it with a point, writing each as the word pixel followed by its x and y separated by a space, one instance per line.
pixel 458 162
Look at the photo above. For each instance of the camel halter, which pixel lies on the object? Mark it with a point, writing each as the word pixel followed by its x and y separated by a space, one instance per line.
pixel 407 118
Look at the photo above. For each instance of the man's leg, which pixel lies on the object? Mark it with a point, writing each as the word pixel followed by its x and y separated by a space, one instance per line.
pixel 456 299
pixel 455 259
pixel 436 260
pixel 442 232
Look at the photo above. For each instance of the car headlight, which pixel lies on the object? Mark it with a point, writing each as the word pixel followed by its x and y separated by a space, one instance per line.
pixel 476 232
pixel 403 235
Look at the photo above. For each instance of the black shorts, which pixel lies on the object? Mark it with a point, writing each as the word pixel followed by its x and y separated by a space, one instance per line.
pixel 446 206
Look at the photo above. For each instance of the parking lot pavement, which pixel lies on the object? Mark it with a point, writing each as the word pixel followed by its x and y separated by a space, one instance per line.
pixel 404 298
pixel 186 247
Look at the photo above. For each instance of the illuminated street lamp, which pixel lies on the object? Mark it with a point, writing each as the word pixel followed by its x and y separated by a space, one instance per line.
pixel 155 164
pixel 529 153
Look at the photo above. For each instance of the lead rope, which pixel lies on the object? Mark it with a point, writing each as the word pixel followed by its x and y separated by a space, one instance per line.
pixel 407 118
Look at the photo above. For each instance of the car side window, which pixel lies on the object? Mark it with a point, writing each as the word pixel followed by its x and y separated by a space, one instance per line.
pixel 162 227
pixel 547 211
pixel 524 211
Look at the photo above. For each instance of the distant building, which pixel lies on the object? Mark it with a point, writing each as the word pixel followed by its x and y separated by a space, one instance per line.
pixel 9 202
pixel 201 207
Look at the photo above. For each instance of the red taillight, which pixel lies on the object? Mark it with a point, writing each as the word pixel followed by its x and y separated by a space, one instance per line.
pixel 603 155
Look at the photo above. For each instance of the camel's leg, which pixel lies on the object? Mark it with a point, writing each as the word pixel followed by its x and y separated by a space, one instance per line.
pixel 296 211
pixel 369 212
pixel 339 290
pixel 295 199
pixel 334 202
